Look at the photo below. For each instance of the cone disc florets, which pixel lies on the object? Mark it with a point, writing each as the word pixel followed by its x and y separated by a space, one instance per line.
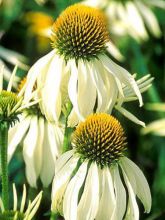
pixel 100 138
pixel 8 102
pixel 80 32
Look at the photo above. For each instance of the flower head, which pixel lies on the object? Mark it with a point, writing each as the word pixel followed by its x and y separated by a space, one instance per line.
pixel 80 32
pixel 92 81
pixel 11 104
pixel 21 214
pixel 96 174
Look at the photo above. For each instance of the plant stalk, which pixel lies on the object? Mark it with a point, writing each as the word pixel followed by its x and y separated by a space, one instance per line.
pixel 4 127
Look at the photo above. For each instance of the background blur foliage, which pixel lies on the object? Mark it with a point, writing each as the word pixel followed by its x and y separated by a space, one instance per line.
pixel 21 24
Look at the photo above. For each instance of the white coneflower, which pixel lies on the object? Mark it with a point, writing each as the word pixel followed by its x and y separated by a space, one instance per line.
pixel 42 143
pixel 93 180
pixel 156 127
pixel 132 17
pixel 21 214
pixel 80 64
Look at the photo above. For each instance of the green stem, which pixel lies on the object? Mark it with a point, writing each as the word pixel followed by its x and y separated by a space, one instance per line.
pixel 67 130
pixel 54 216
pixel 3 162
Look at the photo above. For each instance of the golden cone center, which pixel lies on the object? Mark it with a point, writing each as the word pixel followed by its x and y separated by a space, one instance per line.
pixel 80 32
pixel 100 138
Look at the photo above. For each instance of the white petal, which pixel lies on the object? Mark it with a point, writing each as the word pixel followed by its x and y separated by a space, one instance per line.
pixel 137 181
pixel 132 208
pixel 72 88
pixel 102 98
pixel 61 180
pixel 88 205
pixel 149 18
pixel 135 20
pixel 114 51
pixel 129 115
pixel 39 68
pixel 11 79
pixel 51 95
pixel 62 160
pixel 107 197
pixel 29 148
pixel 157 127
pixel 1 77
pixel 48 167
pixel 15 198
pixel 123 75
pixel 23 199
pixel 16 134
pixel 120 193
pixel 70 202
pixel 86 90
pixel 55 136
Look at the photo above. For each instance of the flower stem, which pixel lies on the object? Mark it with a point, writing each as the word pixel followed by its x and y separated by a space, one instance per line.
pixel 54 216
pixel 67 130
pixel 3 162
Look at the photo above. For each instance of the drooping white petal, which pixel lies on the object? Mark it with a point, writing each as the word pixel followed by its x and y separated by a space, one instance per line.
pixel 86 90
pixel 88 205
pixel 48 167
pixel 39 68
pixel 100 87
pixel 129 115
pixel 135 20
pixel 111 88
pixel 132 208
pixel 16 134
pixel 137 181
pixel 62 160
pixel 70 202
pixel 157 127
pixel 114 51
pixel 123 75
pixel 149 18
pixel 51 95
pixel 29 149
pixel 72 88
pixel 61 179
pixel 108 200
pixel 120 194
pixel 55 136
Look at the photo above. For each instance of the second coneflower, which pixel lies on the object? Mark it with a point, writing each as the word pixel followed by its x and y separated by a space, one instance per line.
pixel 79 62
pixel 93 180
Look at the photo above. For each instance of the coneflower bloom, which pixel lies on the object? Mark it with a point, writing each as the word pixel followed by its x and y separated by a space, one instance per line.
pixel 156 127
pixel 95 180
pixel 132 17
pixel 42 143
pixel 21 213
pixel 79 63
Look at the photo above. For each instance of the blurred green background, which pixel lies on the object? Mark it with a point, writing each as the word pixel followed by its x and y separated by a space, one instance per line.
pixel 20 24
